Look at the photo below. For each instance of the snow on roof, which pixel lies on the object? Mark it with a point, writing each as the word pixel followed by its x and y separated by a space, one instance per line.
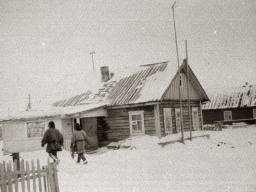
pixel 33 114
pixel 147 83
pixel 242 96
pixel 53 112
pixel 134 85
pixel 73 84
pixel 158 81
pixel 129 89
pixel 123 83
pixel 73 100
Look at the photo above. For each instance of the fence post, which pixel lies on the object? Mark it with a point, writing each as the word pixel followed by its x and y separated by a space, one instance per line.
pixel 50 176
pixel 28 175
pixel 55 176
pixel 39 175
pixel 15 175
pixel 9 177
pixel 22 174
pixel 33 175
pixel 3 181
pixel 45 179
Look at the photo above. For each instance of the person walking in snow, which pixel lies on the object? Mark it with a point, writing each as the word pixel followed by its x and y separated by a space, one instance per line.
pixel 54 140
pixel 79 139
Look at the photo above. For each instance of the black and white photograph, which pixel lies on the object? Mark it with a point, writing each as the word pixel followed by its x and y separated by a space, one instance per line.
pixel 127 96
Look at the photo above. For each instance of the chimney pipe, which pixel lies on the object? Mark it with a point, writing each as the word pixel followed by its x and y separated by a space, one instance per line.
pixel 104 73
pixel 111 75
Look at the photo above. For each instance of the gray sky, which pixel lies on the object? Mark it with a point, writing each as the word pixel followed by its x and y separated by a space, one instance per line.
pixel 43 42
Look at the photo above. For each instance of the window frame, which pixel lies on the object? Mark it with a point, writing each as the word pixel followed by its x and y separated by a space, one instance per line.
pixel 41 121
pixel 228 115
pixel 166 130
pixel 176 110
pixel 131 113
pixel 254 113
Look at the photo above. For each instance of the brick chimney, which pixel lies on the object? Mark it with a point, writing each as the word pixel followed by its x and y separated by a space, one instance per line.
pixel 104 73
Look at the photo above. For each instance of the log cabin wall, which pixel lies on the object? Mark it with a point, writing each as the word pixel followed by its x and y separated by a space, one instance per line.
pixel 116 126
pixel 176 104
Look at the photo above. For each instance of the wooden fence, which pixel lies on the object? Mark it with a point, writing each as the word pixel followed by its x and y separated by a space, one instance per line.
pixel 29 178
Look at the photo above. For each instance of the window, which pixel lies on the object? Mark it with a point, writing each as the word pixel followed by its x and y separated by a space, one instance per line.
pixel 181 83
pixel 254 113
pixel 168 120
pixel 136 120
pixel 36 129
pixel 227 115
pixel 177 118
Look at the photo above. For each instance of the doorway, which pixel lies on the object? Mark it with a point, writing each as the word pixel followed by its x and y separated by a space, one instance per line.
pixel 89 125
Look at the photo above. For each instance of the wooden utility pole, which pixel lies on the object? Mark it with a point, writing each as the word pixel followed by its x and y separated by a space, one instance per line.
pixel 189 112
pixel 29 103
pixel 177 51
pixel 92 60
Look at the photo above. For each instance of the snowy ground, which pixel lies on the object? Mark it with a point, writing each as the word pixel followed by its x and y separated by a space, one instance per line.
pixel 225 162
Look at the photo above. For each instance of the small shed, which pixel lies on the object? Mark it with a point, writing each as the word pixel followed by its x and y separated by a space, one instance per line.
pixel 23 132
pixel 231 105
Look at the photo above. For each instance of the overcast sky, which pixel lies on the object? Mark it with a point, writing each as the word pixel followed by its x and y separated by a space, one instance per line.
pixel 44 42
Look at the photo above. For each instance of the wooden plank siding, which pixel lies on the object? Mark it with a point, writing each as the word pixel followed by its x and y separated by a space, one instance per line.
pixel 116 126
pixel 172 92
pixel 176 104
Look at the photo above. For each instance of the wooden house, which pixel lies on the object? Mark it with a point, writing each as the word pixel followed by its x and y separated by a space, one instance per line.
pixel 145 101
pixel 231 105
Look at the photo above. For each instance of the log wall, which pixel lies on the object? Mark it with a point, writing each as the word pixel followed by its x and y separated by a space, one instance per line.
pixel 116 126
pixel 185 111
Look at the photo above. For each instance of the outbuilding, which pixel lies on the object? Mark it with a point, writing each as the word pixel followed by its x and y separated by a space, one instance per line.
pixel 231 105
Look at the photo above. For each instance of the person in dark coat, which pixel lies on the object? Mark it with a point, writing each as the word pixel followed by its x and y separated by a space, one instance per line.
pixel 54 140
pixel 79 139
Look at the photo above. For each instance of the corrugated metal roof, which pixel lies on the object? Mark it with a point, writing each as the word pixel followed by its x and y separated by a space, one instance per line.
pixel 146 84
pixel 124 88
pixel 243 96
pixel 73 101
pixel 134 88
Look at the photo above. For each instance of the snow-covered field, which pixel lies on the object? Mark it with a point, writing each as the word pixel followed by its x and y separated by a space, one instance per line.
pixel 225 162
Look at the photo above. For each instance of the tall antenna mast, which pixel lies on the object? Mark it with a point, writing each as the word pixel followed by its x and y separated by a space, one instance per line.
pixel 189 112
pixel 29 103
pixel 178 61
pixel 92 52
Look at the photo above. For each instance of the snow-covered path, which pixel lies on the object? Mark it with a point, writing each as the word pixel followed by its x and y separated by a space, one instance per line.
pixel 225 162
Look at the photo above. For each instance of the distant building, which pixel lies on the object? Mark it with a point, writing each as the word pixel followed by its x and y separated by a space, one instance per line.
pixel 231 105
pixel 145 101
